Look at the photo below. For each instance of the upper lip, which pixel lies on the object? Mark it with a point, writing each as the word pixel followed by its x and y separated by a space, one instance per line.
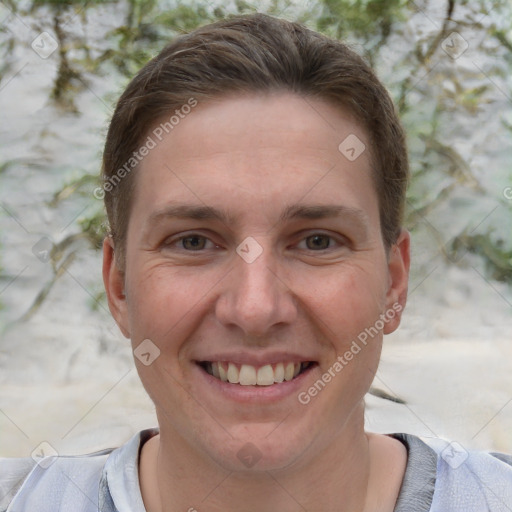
pixel 256 359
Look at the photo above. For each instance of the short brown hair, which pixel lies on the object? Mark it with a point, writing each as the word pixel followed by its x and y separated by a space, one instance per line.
pixel 254 53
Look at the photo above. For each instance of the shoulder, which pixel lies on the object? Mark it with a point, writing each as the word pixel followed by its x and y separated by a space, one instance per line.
pixel 105 480
pixel 52 483
pixel 459 479
pixel 471 479
pixel 13 473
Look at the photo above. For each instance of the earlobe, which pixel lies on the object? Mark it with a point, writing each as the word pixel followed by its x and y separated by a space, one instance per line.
pixel 398 268
pixel 113 280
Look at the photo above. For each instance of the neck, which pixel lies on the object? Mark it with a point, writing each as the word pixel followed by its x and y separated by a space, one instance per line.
pixel 174 477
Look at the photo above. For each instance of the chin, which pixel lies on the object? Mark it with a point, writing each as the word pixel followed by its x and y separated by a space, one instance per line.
pixel 258 448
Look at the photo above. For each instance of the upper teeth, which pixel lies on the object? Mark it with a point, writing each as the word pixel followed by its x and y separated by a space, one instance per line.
pixel 248 375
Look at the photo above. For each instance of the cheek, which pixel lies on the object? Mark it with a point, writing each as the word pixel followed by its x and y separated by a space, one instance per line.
pixel 165 303
pixel 147 304
pixel 346 302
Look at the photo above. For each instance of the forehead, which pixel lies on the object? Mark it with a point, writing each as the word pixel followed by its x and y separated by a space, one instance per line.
pixel 259 154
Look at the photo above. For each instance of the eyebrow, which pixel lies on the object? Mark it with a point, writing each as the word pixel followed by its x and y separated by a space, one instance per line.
pixel 189 211
pixel 292 212
pixel 313 212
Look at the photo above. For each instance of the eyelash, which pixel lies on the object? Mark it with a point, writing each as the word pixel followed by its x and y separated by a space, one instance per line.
pixel 331 238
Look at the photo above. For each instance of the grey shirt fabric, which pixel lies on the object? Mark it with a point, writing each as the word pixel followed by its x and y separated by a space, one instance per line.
pixel 419 481
pixel 439 477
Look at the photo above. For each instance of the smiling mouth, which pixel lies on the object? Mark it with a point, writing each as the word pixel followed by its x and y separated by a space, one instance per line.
pixel 248 375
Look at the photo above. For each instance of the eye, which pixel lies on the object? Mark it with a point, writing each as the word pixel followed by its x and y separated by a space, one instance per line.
pixel 189 243
pixel 320 242
pixel 193 242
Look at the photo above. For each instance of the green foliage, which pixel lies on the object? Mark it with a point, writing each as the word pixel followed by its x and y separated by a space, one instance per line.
pixel 94 225
pixel 363 20
pixel 62 4
pixel 436 98
pixel 498 261
pixel 185 18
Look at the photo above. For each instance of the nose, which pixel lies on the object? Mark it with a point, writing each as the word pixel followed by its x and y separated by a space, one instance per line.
pixel 255 298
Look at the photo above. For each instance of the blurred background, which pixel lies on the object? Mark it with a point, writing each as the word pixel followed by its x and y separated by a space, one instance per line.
pixel 66 373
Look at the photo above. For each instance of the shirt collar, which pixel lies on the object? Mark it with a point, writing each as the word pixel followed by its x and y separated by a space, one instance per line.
pixel 120 488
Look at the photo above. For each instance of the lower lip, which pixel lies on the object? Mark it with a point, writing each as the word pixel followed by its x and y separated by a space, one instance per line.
pixel 256 394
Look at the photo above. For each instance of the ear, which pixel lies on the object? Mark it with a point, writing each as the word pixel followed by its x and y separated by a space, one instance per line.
pixel 398 269
pixel 113 279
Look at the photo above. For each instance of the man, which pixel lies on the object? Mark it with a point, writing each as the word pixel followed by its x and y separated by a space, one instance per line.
pixel 254 178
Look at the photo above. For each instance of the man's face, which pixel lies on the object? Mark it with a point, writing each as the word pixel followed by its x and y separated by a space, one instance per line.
pixel 255 243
